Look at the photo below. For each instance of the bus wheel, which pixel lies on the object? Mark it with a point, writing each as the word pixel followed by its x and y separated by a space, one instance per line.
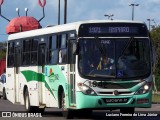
pixel 67 113
pixel 127 110
pixel 4 95
pixel 28 107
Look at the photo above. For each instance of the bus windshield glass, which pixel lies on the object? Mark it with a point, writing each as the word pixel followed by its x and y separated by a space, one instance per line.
pixel 114 57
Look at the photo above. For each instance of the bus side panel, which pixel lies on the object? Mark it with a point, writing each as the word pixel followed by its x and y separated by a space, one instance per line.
pixel 33 93
pixel 50 92
pixel 55 76
pixel 51 101
pixel 10 84
pixel 29 77
pixel 22 83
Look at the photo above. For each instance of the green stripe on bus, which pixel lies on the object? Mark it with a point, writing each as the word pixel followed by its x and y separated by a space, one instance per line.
pixel 33 76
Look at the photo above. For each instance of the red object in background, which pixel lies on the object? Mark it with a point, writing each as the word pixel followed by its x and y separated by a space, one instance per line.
pixel 42 4
pixel 1 2
pixel 2 66
pixel 24 23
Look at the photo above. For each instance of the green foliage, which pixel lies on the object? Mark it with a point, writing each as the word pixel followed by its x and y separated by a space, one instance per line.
pixel 157 82
pixel 155 36
pixel 156 98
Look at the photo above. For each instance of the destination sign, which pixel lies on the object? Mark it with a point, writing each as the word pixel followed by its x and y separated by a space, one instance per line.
pixel 112 29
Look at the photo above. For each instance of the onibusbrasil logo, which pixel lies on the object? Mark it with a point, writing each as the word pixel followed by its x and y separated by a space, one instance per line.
pixel 18 114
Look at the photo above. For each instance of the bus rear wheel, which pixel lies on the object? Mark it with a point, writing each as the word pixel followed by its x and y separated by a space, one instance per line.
pixel 28 107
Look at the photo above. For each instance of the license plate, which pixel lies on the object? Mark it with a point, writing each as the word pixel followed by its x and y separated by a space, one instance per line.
pixel 115 100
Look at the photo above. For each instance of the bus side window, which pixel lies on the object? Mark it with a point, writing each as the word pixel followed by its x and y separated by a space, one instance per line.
pixel 26 52
pixel 10 54
pixel 53 51
pixel 63 49
pixel 34 49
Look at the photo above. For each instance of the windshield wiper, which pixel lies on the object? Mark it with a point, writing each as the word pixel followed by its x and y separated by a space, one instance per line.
pixel 101 48
pixel 98 75
pixel 126 47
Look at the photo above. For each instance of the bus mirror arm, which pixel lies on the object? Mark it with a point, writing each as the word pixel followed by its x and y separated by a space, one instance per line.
pixel 75 48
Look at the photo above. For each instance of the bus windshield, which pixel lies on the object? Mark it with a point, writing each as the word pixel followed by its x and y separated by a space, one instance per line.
pixel 114 57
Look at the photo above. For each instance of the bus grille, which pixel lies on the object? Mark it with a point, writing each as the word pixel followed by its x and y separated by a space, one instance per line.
pixel 109 85
pixel 120 93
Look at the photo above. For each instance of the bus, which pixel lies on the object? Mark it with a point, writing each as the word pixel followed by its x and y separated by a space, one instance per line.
pixel 81 66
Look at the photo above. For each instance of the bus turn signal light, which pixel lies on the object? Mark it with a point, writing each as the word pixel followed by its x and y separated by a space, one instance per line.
pixel 141 101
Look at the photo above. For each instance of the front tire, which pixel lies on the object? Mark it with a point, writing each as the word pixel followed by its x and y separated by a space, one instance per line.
pixel 67 113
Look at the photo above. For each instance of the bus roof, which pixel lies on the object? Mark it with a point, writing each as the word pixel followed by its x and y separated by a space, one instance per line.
pixel 62 28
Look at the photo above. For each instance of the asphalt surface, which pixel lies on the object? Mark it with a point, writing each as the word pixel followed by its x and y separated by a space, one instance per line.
pixel 17 112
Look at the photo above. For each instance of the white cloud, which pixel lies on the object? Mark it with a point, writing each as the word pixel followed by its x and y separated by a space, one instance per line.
pixel 153 1
pixel 32 4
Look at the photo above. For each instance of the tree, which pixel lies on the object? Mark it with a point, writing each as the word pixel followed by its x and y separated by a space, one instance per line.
pixel 155 36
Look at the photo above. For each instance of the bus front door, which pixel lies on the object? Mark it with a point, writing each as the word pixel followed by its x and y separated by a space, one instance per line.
pixel 41 63
pixel 17 72
pixel 71 60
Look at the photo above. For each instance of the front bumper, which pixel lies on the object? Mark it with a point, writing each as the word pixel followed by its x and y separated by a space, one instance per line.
pixel 97 102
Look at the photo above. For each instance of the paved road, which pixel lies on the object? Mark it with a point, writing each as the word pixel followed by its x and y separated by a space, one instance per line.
pixel 55 114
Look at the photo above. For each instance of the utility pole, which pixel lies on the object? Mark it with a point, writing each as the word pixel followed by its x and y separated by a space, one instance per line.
pixel 109 16
pixel 59 12
pixel 149 23
pixel 133 9
pixel 65 11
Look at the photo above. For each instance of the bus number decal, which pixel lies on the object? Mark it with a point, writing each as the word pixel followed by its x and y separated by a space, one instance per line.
pixel 94 30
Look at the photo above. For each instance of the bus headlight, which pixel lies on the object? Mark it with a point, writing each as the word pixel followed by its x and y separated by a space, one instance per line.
pixel 86 89
pixel 145 88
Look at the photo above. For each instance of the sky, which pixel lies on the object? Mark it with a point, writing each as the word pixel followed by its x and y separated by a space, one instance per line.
pixel 80 10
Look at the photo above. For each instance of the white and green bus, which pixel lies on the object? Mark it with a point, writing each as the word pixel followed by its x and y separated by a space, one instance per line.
pixel 81 66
